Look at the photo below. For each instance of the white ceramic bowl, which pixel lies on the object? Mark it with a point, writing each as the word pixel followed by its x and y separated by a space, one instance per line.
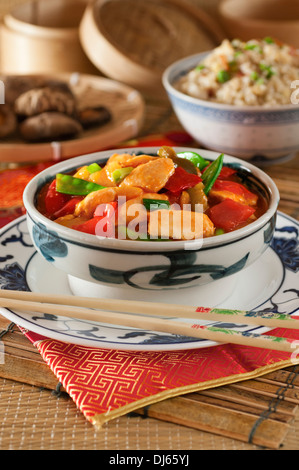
pixel 153 265
pixel 253 133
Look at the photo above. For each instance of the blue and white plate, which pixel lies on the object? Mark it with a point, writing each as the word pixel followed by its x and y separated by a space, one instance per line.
pixel 270 284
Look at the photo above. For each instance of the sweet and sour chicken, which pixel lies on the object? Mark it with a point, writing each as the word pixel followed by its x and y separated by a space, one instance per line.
pixel 166 196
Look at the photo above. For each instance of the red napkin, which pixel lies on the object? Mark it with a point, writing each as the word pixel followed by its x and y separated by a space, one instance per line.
pixel 107 383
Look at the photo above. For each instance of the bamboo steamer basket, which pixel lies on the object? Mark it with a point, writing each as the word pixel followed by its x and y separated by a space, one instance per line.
pixel 260 18
pixel 42 36
pixel 134 41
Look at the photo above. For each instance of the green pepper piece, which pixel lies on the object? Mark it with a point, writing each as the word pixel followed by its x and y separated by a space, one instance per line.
pixel 195 158
pixel 211 173
pixel 120 173
pixel 93 167
pixel 168 152
pixel 154 204
pixel 67 184
pixel 198 196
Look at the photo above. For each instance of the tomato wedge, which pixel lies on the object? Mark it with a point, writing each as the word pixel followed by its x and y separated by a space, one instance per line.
pixel 229 214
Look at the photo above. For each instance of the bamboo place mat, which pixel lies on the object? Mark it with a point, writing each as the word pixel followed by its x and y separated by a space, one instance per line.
pixel 36 413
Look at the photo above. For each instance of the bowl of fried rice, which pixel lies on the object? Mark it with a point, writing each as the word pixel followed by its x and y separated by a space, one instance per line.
pixel 240 98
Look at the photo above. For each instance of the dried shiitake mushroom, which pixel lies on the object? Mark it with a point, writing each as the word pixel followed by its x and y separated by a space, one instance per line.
pixel 49 126
pixel 8 121
pixel 41 100
pixel 91 117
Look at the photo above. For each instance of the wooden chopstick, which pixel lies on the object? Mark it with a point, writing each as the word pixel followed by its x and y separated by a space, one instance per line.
pixel 71 306
pixel 271 320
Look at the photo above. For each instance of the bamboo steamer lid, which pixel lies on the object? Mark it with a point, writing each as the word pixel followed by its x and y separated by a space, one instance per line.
pixel 134 41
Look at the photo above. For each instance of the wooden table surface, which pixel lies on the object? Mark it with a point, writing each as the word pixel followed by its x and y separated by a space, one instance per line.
pixel 33 416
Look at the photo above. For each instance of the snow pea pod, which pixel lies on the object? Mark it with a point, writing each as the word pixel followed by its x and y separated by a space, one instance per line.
pixel 210 175
pixel 68 184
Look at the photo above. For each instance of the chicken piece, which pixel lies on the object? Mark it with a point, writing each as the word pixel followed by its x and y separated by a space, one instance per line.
pixel 160 197
pixel 131 210
pixel 87 206
pixel 247 198
pixel 151 176
pixel 70 220
pixel 137 160
pixel 120 158
pixel 104 177
pixel 129 192
pixel 179 225
pixel 127 212
pixel 82 173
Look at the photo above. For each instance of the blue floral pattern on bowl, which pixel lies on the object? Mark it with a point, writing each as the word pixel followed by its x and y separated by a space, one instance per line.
pixel 287 247
pixel 48 243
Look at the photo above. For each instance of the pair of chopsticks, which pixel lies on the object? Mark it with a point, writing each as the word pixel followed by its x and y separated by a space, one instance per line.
pixel 159 317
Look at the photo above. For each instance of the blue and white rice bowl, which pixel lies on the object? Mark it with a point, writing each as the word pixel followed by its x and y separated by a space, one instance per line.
pixel 256 133
pixel 149 265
